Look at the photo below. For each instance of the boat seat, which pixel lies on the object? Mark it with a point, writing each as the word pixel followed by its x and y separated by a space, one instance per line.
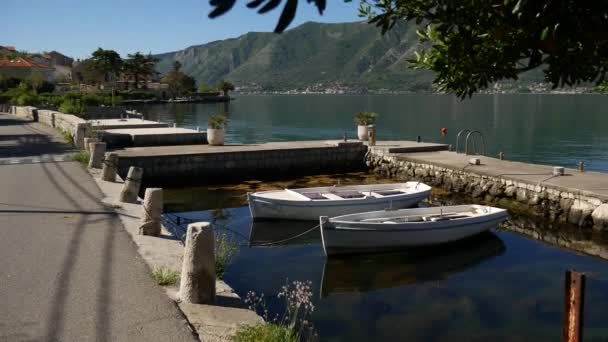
pixel 349 194
pixel 314 195
pixel 388 192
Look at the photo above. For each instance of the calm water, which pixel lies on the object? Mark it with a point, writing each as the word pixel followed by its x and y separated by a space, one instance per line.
pixel 501 286
pixel 547 129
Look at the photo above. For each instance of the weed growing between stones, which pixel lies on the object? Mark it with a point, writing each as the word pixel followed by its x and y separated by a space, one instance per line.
pixel 225 249
pixel 67 136
pixel 165 277
pixel 291 326
pixel 81 156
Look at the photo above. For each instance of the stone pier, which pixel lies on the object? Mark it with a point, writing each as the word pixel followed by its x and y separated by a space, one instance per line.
pixel 577 197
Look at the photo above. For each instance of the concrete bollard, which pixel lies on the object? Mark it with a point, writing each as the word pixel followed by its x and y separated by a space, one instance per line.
pixel 132 184
pixel 79 134
pixel 97 152
pixel 87 143
pixel 152 211
pixel 197 283
pixel 110 166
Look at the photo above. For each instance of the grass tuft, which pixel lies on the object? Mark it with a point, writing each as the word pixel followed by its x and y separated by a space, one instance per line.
pixel 266 332
pixel 225 250
pixel 67 136
pixel 165 276
pixel 81 156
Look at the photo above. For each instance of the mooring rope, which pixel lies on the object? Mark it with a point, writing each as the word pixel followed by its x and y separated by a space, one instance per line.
pixel 289 238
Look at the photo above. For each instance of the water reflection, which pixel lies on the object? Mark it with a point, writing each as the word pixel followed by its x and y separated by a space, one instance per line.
pixel 363 273
pixel 281 233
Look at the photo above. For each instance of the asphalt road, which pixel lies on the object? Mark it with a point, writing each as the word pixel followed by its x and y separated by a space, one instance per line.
pixel 68 269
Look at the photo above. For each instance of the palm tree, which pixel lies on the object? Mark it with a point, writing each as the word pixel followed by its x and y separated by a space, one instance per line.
pixel 139 66
pixel 225 87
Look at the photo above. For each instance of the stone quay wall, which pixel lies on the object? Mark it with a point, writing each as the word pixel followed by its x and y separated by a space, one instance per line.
pixel 240 165
pixel 552 203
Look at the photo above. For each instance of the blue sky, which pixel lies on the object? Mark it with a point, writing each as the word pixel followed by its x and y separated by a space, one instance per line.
pixel 77 27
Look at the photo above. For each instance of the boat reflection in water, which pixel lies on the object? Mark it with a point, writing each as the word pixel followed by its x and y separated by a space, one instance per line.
pixel 277 233
pixel 368 272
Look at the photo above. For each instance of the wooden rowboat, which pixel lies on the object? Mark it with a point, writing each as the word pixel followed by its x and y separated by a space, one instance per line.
pixel 396 229
pixel 311 203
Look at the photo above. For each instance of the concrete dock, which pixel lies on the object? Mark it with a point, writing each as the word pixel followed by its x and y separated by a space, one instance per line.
pixel 158 136
pixel 204 163
pixel 125 123
pixel 585 183
pixel 578 198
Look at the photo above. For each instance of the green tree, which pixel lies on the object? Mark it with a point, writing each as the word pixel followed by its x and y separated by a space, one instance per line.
pixel 139 66
pixel 106 62
pixel 472 44
pixel 205 88
pixel 36 80
pixel 225 87
pixel 179 83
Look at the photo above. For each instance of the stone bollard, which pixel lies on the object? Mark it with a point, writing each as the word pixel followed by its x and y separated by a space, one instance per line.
pixel 79 134
pixel 152 211
pixel 110 166
pixel 97 152
pixel 197 283
pixel 131 187
pixel 87 144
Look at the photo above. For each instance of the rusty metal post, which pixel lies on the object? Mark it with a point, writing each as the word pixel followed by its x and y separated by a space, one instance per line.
pixel 574 303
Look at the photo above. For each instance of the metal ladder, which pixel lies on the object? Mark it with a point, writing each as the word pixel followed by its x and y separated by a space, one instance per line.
pixel 474 134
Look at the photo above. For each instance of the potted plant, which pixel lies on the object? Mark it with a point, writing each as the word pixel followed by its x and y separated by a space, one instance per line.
pixel 363 119
pixel 215 129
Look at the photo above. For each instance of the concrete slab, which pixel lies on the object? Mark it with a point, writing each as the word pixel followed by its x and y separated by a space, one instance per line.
pixel 157 136
pixel 405 146
pixel 205 149
pixel 593 184
pixel 125 123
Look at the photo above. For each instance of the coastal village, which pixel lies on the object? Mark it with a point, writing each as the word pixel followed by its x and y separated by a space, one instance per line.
pixel 205 195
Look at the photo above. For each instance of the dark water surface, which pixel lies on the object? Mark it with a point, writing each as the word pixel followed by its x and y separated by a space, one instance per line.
pixel 545 129
pixel 499 286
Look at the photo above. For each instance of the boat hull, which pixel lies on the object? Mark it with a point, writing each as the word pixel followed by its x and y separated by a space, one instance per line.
pixel 360 237
pixel 264 209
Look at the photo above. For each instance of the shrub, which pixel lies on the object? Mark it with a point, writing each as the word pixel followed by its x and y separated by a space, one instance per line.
pixel 225 250
pixel 165 277
pixel 50 99
pixel 137 95
pixel 26 99
pixel 289 327
pixel 218 121
pixel 72 106
pixel 365 118
pixel 266 332
pixel 45 87
pixel 82 156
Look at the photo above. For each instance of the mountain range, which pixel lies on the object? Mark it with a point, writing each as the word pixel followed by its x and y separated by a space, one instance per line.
pixel 354 57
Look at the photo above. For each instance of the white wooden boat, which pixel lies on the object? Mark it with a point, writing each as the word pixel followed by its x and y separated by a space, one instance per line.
pixel 311 203
pixel 395 229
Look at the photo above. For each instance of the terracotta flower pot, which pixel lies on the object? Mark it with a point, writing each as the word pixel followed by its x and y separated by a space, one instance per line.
pixel 215 136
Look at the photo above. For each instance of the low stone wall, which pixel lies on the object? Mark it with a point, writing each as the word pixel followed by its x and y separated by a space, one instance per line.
pixel 554 204
pixel 237 166
pixel 77 127
pixel 27 112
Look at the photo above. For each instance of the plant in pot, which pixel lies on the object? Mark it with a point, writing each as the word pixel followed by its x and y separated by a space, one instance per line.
pixel 215 129
pixel 363 119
